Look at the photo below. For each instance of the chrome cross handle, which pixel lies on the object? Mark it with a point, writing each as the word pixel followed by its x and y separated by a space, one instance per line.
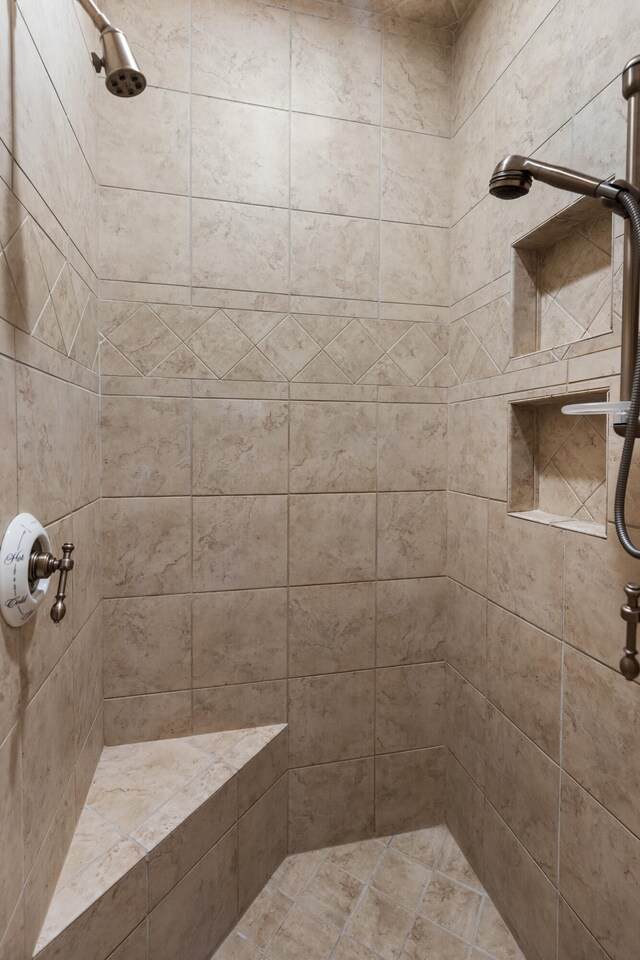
pixel 43 565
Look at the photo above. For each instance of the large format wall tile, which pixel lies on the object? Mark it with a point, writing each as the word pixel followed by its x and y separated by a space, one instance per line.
pixel 319 798
pixel 331 538
pixel 417 87
pixel 331 717
pixel 412 535
pixel 331 628
pixel 468 520
pixel 409 790
pixel 467 638
pixel 414 263
pixel 333 447
pixel 412 621
pixel 410 707
pixel 349 265
pixel 414 178
pixel 412 447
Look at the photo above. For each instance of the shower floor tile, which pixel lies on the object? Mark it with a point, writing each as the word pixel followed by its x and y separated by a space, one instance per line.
pixel 408 897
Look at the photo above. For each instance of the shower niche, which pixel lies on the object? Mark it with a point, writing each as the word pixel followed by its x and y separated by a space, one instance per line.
pixel 561 280
pixel 558 464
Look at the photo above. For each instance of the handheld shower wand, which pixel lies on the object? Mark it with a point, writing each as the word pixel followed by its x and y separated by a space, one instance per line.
pixel 123 77
pixel 511 179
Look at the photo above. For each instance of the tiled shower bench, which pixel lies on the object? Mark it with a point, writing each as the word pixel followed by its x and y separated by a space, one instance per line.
pixel 176 839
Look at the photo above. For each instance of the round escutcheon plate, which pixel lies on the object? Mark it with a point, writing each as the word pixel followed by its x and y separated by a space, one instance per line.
pixel 20 597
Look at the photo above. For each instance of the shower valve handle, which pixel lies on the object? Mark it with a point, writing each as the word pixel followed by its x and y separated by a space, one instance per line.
pixel 44 565
pixel 630 612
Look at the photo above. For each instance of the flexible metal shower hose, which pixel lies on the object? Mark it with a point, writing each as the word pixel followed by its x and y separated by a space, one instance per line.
pixel 632 208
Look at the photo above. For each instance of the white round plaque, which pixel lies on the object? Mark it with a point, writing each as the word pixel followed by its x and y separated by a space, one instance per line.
pixel 20 597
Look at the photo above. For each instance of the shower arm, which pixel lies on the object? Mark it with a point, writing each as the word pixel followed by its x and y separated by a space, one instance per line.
pixel 101 22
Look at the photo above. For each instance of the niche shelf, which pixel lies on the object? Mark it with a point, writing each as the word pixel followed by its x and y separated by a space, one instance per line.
pixel 558 464
pixel 562 279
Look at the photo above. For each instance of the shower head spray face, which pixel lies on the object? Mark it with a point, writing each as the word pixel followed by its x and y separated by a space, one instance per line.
pixel 123 77
pixel 510 185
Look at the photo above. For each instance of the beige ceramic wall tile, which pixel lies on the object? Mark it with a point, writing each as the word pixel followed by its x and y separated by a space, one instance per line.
pixel 335 69
pixel 574 940
pixel 478 448
pixel 240 51
pixel 518 888
pixel 467 637
pixel 155 716
pixel 411 535
pixel 87 678
pixel 417 87
pixel 262 842
pixel 594 844
pixel 412 621
pixel 604 48
pixel 524 676
pixel 144 237
pixel 86 479
pixel 146 546
pixel 414 178
pixel 240 247
pixel 335 166
pixel 155 129
pixel 11 805
pixel 333 447
pixel 332 538
pixel 239 636
pixel 474 61
pixel 473 157
pixel 349 265
pixel 159 34
pixel 239 152
pixel 199 912
pixel 240 446
pixel 524 787
pixel 331 717
pixel 331 628
pixel 145 447
pixel 411 449
pixel 86 581
pixel 472 250
pixel 318 797
pixel 410 707
pixel 147 645
pixel 410 790
pixel 239 542
pixel 414 263
pixel 239 705
pixel 134 947
pixel 467 524
pixel 465 812
pixel 466 729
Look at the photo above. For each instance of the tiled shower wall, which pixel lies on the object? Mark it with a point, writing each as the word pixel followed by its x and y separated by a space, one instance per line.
pixel 274 295
pixel 50 677
pixel 542 786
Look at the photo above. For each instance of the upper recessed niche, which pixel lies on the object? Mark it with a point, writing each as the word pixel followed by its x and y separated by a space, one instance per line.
pixel 562 280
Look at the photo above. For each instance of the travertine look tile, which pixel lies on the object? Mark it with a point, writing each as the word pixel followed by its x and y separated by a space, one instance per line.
pixel 453 863
pixel 335 69
pixel 523 785
pixel 412 450
pixel 604 766
pixel 451 905
pixel 333 447
pixel 421 845
pixel 525 562
pixel 400 878
pixel 411 534
pixel 348 949
pixel 199 912
pixel 303 932
pixel 349 265
pixel 331 538
pixel 410 705
pixel 464 813
pixel 147 645
pixel 494 937
pixel 595 845
pixel 523 677
pixel 410 790
pixel 331 717
pixel 144 237
pixel 332 894
pixel 414 263
pixel 145 446
pixel 151 717
pixel 237 706
pixel 240 51
pixel 134 947
pixel 381 924
pixel 575 942
pixel 225 628
pixel 473 61
pixel 262 841
pixel 239 152
pixel 334 166
pixel 239 542
pixel 318 797
pixel 87 677
pixel 159 36
pixel 478 435
pixel 411 621
pixel 417 85
pixel 144 340
pixel 466 724
pixel 87 576
pixel 519 889
pixel 146 544
pixel 426 938
pixel 331 628
pixel 467 527
pixel 156 131
pixel 265 915
pixel 239 246
pixel 414 172
pixel 359 859
pixel 294 873
pixel 11 830
pixel 467 636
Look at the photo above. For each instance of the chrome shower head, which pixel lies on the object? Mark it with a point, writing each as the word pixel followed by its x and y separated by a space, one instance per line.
pixel 123 76
pixel 510 184
pixel 513 176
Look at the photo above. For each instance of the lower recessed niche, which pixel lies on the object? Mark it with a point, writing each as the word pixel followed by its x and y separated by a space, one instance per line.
pixel 558 464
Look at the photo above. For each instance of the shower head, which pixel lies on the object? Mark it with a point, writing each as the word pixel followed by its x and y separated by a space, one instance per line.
pixel 123 77
pixel 513 176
